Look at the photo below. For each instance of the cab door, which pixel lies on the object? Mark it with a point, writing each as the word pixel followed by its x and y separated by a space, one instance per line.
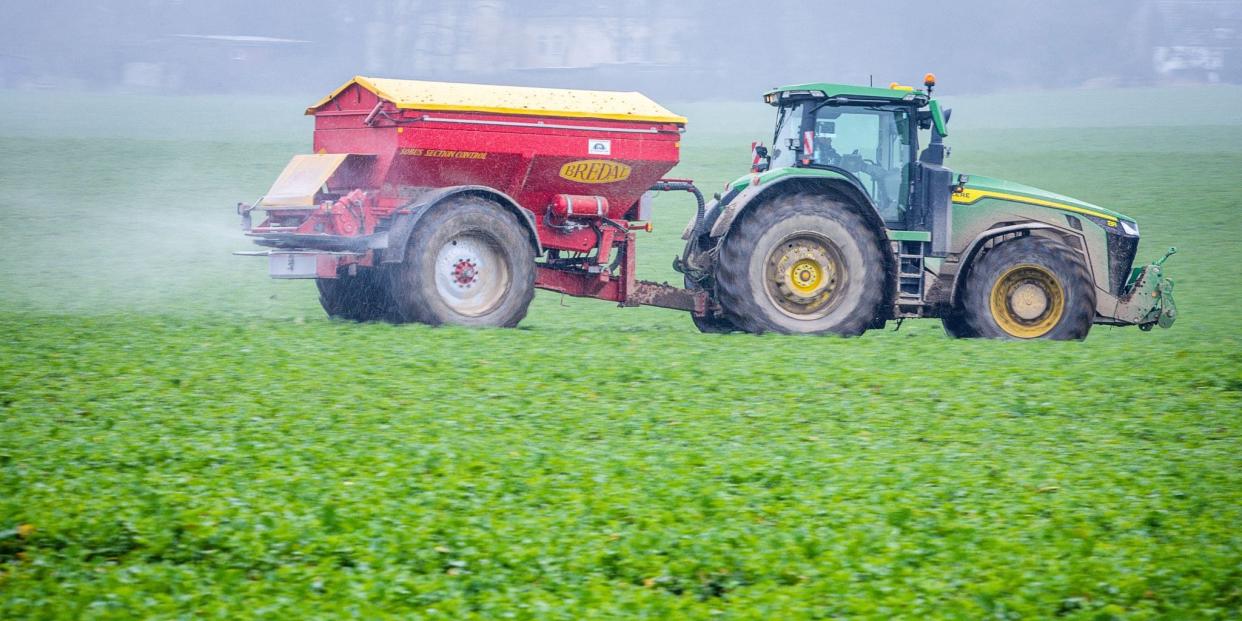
pixel 873 143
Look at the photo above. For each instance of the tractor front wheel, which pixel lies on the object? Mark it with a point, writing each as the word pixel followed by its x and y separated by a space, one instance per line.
pixel 1029 288
pixel 955 325
pixel 469 263
pixel 801 263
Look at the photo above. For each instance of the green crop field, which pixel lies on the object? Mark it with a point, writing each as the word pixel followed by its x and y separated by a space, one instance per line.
pixel 181 437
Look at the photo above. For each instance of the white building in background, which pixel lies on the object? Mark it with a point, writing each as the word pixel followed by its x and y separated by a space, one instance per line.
pixel 1195 40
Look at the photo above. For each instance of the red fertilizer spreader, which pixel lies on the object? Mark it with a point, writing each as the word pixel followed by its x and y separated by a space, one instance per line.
pixel 449 203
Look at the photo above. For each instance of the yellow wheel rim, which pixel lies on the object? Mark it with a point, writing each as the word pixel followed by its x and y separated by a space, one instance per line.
pixel 805 276
pixel 1027 301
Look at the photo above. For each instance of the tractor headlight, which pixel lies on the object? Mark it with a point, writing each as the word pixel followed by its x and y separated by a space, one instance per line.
pixel 1130 228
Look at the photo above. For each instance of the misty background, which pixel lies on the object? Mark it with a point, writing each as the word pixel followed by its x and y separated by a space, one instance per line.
pixel 687 50
pixel 141 124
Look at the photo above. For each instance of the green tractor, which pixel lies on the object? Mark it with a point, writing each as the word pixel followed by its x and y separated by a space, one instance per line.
pixel 844 224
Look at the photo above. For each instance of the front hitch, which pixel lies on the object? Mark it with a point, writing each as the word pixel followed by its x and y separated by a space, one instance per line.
pixel 1148 301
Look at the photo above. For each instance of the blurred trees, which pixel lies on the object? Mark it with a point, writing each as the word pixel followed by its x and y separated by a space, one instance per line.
pixel 690 49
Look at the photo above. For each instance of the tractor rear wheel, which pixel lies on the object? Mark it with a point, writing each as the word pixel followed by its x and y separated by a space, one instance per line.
pixel 1030 288
pixel 801 263
pixel 363 297
pixel 469 262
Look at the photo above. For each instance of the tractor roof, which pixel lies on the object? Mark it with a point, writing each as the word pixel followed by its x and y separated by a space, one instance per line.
pixel 524 100
pixel 814 89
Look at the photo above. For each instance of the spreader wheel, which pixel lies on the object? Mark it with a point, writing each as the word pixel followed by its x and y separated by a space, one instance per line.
pixel 1030 288
pixel 468 262
pixel 363 297
pixel 801 263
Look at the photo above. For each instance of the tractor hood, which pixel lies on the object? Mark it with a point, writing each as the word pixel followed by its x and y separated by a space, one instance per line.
pixel 978 187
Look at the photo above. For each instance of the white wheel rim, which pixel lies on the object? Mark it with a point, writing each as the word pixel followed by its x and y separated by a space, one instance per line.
pixel 471 274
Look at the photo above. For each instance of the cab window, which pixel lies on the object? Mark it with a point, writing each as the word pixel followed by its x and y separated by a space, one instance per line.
pixel 874 145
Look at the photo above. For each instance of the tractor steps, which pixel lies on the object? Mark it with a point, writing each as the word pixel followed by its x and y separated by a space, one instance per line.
pixel 908 301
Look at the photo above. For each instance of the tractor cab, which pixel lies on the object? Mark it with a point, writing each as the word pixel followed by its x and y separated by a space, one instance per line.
pixel 870 136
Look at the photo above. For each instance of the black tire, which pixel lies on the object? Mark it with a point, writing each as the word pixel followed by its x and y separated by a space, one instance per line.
pixel 469 262
pixel 853 274
pixel 956 327
pixel 1038 287
pixel 363 297
pixel 710 324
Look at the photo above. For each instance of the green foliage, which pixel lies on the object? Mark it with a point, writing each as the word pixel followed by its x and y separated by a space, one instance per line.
pixel 181 435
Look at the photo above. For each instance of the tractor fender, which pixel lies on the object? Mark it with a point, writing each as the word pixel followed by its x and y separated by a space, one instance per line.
pixel 406 218
pixel 972 249
pixel 839 184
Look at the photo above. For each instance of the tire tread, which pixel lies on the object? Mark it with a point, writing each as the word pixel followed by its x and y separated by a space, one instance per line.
pixel 1066 263
pixel 732 271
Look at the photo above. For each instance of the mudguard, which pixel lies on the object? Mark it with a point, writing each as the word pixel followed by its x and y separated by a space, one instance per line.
pixel 972 248
pixel 406 218
pixel 838 182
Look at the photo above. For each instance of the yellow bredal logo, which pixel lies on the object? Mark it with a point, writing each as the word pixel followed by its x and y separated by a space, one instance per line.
pixel 595 171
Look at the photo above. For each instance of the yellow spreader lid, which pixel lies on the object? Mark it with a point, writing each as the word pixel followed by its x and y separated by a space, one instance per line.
pixel 525 100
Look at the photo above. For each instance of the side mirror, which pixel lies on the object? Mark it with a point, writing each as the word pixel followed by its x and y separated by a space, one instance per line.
pixel 759 159
pixel 924 119
pixel 948 113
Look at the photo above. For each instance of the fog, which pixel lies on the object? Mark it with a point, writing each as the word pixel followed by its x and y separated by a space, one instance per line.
pixel 141 124
pixel 686 50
